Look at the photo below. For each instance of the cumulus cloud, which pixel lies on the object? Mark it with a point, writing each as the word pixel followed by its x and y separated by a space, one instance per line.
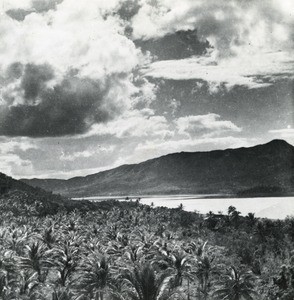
pixel 252 40
pixel 226 24
pixel 255 71
pixel 136 124
pixel 74 36
pixel 12 164
pixel 36 109
pixel 10 155
pixel 70 68
pixel 207 125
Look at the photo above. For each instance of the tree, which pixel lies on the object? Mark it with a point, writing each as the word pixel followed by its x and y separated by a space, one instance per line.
pixel 28 285
pixel 37 259
pixel 48 237
pixel 143 283
pixel 66 262
pixel 134 253
pixel 234 215
pixel 236 285
pixel 6 293
pixel 180 263
pixel 204 273
pixel 181 206
pixel 95 277
pixel 251 219
pixel 231 209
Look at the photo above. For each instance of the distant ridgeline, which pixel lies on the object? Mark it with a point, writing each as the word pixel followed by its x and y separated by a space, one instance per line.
pixel 260 170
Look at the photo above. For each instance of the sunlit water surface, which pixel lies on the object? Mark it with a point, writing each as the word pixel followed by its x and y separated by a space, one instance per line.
pixel 265 207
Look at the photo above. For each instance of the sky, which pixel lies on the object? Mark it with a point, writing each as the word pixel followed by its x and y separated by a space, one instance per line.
pixel 86 86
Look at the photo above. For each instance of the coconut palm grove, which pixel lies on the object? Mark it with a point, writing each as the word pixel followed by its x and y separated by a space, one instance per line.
pixel 58 249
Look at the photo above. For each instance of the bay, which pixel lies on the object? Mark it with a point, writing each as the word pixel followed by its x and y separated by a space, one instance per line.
pixel 263 207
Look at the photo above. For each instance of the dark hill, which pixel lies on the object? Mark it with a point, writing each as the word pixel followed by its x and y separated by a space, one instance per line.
pixel 232 171
pixel 8 184
pixel 20 199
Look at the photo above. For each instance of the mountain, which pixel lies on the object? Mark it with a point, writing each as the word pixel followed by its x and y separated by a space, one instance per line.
pixel 268 167
pixel 19 199
pixel 8 184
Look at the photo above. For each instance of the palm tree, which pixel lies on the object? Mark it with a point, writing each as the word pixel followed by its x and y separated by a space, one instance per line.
pixel 66 262
pixel 134 253
pixel 8 266
pixel 183 268
pixel 261 231
pixel 251 219
pixel 181 206
pixel 231 209
pixel 15 240
pixel 234 215
pixel 197 248
pixel 111 232
pixel 205 270
pixel 143 283
pixel 236 285
pixel 180 263
pixel 37 259
pixel 6 292
pixel 118 290
pixel 28 285
pixel 48 237
pixel 96 277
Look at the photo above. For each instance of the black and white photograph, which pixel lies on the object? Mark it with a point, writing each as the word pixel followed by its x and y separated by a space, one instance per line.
pixel 146 149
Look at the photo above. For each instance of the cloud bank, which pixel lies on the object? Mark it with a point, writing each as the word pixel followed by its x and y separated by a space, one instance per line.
pixel 34 108
pixel 75 64
pixel 252 41
pixel 70 68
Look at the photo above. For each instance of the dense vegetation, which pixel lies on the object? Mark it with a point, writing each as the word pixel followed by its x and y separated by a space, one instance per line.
pixel 58 249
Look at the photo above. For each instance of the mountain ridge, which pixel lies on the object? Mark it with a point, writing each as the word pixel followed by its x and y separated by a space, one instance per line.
pixel 173 173
pixel 151 159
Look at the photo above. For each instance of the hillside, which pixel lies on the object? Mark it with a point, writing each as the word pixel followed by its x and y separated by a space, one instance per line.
pixel 19 199
pixel 267 167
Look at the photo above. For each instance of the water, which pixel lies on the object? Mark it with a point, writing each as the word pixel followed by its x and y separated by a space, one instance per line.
pixel 264 207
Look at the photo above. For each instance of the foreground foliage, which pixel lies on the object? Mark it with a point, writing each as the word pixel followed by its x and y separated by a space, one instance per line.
pixel 125 250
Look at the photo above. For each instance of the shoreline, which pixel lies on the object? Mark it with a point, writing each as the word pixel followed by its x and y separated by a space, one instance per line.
pixel 193 196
